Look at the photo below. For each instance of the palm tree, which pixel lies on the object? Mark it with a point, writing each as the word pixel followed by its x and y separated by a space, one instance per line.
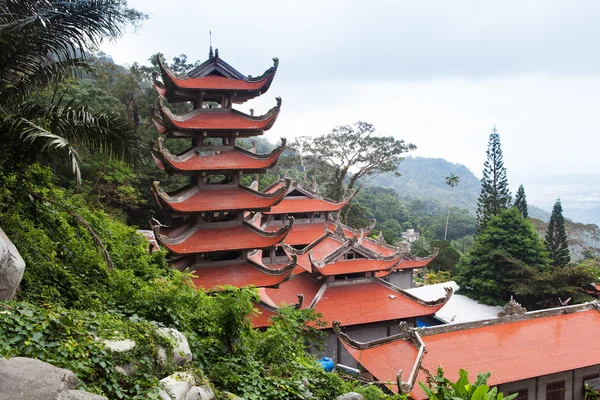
pixel 452 181
pixel 43 43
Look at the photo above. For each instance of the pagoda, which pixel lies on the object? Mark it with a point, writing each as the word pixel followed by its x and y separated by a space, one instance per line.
pixel 340 272
pixel 215 228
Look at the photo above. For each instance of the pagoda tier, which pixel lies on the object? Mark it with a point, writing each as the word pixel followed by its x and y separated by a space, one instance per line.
pixel 195 199
pixel 216 159
pixel 354 304
pixel 249 273
pixel 214 80
pixel 217 236
pixel 213 122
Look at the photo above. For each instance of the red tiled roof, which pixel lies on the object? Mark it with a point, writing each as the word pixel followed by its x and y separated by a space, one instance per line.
pixel 239 275
pixel 194 199
pixel 355 266
pixel 287 292
pixel 379 248
pixel 216 161
pixel 511 351
pixel 262 318
pixel 215 82
pixel 364 303
pixel 307 233
pixel 409 264
pixel 319 251
pixel 203 119
pixel 208 239
pixel 290 205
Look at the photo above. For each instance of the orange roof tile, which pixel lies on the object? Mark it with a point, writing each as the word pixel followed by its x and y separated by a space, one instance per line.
pixel 239 275
pixel 208 239
pixel 262 318
pixel 364 303
pixel 511 351
pixel 354 266
pixel 203 119
pixel 193 199
pixel 319 251
pixel 305 234
pixel 196 159
pixel 290 205
pixel 215 82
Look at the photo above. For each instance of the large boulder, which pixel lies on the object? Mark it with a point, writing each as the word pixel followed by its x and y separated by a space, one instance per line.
pixel 350 396
pixel 176 386
pixel 12 267
pixel 181 349
pixel 28 379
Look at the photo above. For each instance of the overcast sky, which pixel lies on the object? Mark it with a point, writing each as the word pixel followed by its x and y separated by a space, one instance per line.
pixel 438 74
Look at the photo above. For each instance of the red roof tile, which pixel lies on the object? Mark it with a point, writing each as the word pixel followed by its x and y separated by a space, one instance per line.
pixel 220 83
pixel 319 251
pixel 511 351
pixel 239 275
pixel 194 199
pixel 410 264
pixel 237 159
pixel 382 249
pixel 263 316
pixel 287 292
pixel 355 266
pixel 290 205
pixel 363 303
pixel 305 234
pixel 203 119
pixel 208 239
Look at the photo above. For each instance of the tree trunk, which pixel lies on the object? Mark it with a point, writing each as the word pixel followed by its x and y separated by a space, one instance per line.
pixel 448 215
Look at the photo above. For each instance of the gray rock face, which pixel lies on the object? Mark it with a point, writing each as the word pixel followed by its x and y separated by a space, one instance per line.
pixel 12 267
pixel 29 379
pixel 350 396
pixel 181 349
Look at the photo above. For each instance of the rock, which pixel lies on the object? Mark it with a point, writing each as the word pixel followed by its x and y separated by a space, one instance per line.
pixel 12 267
pixel 119 346
pixel 28 379
pixel 79 395
pixel 350 396
pixel 200 393
pixel 181 349
pixel 128 369
pixel 177 385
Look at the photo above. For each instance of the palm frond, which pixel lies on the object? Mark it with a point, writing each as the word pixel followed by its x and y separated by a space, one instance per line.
pixel 45 39
pixel 64 128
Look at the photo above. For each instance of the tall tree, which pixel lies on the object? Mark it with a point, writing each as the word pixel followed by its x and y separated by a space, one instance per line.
pixel 556 237
pixel 521 202
pixel 507 250
pixel 452 181
pixel 495 196
pixel 42 43
pixel 349 153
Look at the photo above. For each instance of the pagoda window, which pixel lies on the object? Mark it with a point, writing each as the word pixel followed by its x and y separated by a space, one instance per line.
pixel 346 277
pixel 555 391
pixel 301 216
pixel 316 216
pixel 222 256
pixel 222 216
pixel 219 180
pixel 278 217
pixel 349 256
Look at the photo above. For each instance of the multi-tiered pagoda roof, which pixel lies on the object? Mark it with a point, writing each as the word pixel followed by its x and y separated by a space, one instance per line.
pixel 215 230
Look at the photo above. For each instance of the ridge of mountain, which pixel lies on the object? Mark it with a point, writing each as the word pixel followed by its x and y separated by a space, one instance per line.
pixel 424 178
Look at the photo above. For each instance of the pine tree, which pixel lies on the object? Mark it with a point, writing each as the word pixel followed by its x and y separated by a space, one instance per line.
pixel 556 237
pixel 495 196
pixel 521 202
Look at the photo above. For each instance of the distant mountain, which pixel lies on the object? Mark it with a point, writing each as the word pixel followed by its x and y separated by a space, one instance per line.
pixel 425 178
pixel 582 237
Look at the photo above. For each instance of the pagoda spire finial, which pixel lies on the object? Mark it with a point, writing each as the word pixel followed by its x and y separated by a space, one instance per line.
pixel 210 52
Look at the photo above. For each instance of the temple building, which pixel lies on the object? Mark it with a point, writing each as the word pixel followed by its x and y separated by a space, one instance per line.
pixel 215 229
pixel 341 273
pixel 286 240
pixel 546 354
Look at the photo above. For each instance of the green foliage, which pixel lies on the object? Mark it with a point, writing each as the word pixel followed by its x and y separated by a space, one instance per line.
pixel 500 254
pixel 69 339
pixel 447 257
pixel 440 387
pixel 556 237
pixel 521 202
pixel 495 196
